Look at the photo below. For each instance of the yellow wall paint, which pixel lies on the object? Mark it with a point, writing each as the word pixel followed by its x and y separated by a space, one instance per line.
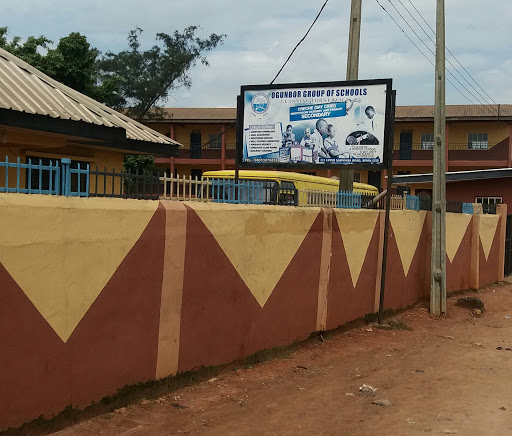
pixel 407 228
pixel 62 251
pixel 417 129
pixel 172 289
pixel 497 132
pixel 457 131
pixel 260 241
pixel 488 226
pixel 356 227
pixel 456 226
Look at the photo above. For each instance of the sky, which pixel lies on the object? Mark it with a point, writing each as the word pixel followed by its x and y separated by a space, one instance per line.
pixel 261 35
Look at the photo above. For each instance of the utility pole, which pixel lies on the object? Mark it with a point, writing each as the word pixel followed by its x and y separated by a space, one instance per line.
pixel 438 259
pixel 354 36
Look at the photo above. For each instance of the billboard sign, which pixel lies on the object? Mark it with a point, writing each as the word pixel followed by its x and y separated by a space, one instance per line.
pixel 328 124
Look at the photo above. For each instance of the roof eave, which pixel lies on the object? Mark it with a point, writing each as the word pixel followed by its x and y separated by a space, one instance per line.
pixel 431 119
pixel 190 121
pixel 109 137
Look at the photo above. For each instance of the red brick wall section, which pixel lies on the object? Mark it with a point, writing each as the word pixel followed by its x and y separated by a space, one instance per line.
pixel 458 272
pixel 344 302
pixel 220 319
pixel 488 268
pixel 116 342
pixel 467 191
pixel 114 345
pixel 35 365
pixel 401 291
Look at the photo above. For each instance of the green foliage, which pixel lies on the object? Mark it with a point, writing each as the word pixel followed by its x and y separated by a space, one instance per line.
pixel 147 77
pixel 139 162
pixel 29 51
pixel 133 80
pixel 72 62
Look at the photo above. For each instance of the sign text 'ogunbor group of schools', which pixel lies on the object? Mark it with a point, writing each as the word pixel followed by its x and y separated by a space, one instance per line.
pixel 317 124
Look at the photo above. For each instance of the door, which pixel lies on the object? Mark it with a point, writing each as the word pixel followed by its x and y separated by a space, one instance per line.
pixel 195 145
pixel 405 145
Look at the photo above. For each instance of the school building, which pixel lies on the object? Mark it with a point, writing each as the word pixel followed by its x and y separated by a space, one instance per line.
pixel 49 131
pixel 477 137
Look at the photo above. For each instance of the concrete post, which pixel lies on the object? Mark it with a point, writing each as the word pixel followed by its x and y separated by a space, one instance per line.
pixel 438 260
pixel 474 278
pixel 347 176
pixel 325 269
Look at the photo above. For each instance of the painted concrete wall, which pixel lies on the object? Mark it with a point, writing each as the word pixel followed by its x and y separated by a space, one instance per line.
pixel 97 294
pixel 458 131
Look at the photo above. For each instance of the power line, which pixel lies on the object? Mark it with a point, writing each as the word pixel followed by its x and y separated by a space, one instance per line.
pixel 449 51
pixel 428 48
pixel 424 55
pixel 300 42
pixel 278 73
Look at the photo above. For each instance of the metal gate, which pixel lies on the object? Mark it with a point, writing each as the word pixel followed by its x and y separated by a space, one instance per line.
pixel 508 247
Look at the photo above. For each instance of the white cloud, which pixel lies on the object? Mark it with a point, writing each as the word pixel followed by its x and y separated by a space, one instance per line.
pixel 262 34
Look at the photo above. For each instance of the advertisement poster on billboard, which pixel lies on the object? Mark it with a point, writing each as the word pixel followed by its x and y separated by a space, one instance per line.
pixel 315 124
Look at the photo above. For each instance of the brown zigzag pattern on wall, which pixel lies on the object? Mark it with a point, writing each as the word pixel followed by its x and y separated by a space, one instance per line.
pixel 489 267
pixel 458 272
pixel 402 291
pixel 221 321
pixel 115 344
pixel 35 366
pixel 344 302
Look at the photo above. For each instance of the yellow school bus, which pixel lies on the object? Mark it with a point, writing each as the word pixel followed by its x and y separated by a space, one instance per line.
pixel 288 188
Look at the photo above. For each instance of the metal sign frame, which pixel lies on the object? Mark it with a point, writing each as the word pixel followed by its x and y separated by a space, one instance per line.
pixel 387 149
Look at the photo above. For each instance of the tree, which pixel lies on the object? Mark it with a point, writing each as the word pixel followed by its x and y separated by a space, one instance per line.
pixel 29 51
pixel 146 78
pixel 72 62
pixel 134 81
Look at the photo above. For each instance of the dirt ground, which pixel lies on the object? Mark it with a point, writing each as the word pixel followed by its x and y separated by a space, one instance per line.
pixel 445 376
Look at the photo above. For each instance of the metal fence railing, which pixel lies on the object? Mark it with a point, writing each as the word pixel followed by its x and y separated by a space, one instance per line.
pixel 414 202
pixel 69 178
pixel 183 189
pixel 124 184
pixel 241 192
pixel 36 177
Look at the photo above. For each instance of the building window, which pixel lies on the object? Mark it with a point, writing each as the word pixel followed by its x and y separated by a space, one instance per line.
pixel 357 177
pixel 489 200
pixel 478 141
pixel 45 174
pixel 215 141
pixel 427 141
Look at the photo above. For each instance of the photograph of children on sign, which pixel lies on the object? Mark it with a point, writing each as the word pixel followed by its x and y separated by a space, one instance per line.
pixel 335 125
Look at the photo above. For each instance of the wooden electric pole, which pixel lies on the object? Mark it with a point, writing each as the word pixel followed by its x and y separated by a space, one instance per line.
pixel 438 259
pixel 347 176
